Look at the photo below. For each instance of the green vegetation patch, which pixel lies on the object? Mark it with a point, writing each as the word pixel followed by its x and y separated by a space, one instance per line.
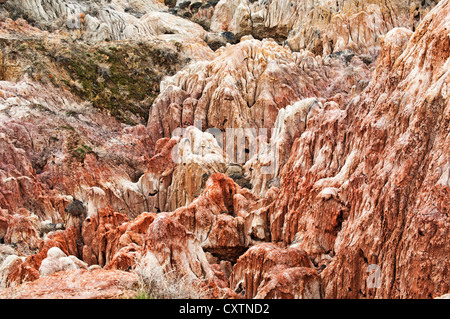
pixel 82 151
pixel 119 78
pixel 123 80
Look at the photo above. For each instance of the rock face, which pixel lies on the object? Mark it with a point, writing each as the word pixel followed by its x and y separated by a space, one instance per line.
pixel 267 271
pixel 414 169
pixel 255 149
pixel 181 252
pixel 264 167
pixel 110 233
pixel 198 156
pixel 323 27
pixel 222 218
pixel 246 85
pixel 105 20
pixel 364 200
pixel 48 136
pixel 79 284
pixel 22 230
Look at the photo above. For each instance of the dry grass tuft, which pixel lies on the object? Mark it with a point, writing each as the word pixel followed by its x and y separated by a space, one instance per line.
pixel 155 283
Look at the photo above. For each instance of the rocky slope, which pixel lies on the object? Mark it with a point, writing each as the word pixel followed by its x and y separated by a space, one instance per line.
pixel 104 20
pixel 323 27
pixel 249 151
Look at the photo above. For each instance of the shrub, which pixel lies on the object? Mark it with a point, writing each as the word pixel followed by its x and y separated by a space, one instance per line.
pixel 156 283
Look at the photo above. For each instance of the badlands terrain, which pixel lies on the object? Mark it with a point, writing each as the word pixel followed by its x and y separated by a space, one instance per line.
pixel 224 149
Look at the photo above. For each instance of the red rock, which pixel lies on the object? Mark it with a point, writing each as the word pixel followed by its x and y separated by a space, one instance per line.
pixel 4 217
pixel 14 271
pixel 107 236
pixel 291 283
pixel 176 249
pixel 19 187
pixel 360 190
pixel 126 258
pixel 96 236
pixel 170 248
pixel 263 271
pixel 78 284
pixel 367 201
pixel 124 243
pixel 110 233
pixel 22 230
pixel 222 219
pixel 221 190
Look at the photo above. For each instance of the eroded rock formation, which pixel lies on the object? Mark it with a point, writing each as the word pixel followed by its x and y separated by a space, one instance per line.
pixel 104 20
pixel 333 183
pixel 267 271
pixel 246 85
pixel 323 27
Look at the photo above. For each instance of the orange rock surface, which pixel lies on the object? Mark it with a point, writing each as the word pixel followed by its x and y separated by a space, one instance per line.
pixel 347 196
